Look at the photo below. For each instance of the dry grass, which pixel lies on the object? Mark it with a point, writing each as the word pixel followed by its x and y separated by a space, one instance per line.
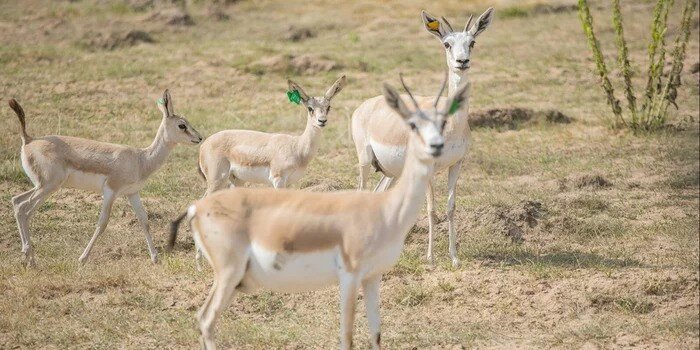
pixel 605 266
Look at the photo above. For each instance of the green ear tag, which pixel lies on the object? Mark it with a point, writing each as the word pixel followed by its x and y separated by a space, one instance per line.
pixel 161 101
pixel 294 96
pixel 454 107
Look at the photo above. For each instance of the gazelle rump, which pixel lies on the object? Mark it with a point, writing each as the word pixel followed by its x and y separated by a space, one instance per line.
pixel 53 162
pixel 381 141
pixel 275 159
pixel 290 240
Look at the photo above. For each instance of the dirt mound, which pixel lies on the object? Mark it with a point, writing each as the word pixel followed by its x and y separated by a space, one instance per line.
pixel 511 221
pixel 591 181
pixel 116 39
pixel 295 34
pixel 302 64
pixel 514 117
pixel 695 68
pixel 172 16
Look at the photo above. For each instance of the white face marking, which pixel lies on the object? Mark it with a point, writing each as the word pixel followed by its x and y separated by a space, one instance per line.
pixel 458 47
pixel 318 108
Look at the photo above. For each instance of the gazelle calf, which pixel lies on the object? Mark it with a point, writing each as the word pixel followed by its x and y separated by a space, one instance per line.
pixel 292 241
pixel 275 159
pixel 52 162
pixel 381 141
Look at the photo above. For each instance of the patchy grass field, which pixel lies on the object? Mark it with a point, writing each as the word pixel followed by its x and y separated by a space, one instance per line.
pixel 609 221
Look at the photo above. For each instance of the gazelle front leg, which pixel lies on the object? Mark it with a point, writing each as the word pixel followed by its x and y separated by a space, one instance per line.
pixel 348 301
pixel 140 212
pixel 370 287
pixel 452 187
pixel 107 201
pixel 430 200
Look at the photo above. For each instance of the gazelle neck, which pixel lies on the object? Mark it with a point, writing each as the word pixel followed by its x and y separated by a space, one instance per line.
pixel 458 122
pixel 155 155
pixel 308 140
pixel 456 78
pixel 406 198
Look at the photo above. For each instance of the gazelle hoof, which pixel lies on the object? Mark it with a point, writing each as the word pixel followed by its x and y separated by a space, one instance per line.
pixel 154 259
pixel 455 263
pixel 82 260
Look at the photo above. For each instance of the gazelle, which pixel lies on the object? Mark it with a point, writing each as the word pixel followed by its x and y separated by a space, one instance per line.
pixel 53 162
pixel 293 241
pixel 275 159
pixel 381 141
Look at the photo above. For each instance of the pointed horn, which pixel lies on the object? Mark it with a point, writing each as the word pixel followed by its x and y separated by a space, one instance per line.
pixel 449 26
pixel 442 89
pixel 469 22
pixel 408 92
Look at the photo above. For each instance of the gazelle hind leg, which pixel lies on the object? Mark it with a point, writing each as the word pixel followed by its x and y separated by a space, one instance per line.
pixel 16 202
pixel 453 175
pixel 220 296
pixel 25 210
pixel 370 287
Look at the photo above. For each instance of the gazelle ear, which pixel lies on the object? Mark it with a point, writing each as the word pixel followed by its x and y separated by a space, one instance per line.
pixel 458 100
pixel 393 99
pixel 335 88
pixel 295 87
pixel 482 22
pixel 163 103
pixel 433 25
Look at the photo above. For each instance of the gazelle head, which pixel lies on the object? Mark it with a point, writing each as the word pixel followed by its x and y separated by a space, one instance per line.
pixel 428 125
pixel 318 107
pixel 460 44
pixel 176 128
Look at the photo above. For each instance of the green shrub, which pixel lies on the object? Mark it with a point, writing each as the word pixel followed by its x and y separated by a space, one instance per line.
pixel 659 94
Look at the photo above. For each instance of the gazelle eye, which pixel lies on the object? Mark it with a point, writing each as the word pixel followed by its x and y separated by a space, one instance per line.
pixel 471 45
pixel 447 45
pixel 444 122
pixel 182 126
pixel 412 125
pixel 310 109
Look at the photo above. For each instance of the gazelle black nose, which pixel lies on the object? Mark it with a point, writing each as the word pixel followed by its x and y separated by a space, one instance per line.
pixel 464 61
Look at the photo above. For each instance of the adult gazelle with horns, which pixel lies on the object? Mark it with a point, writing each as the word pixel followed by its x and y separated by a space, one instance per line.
pixel 381 141
pixel 292 241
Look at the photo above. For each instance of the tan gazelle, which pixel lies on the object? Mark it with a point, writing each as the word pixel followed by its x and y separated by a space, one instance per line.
pixel 52 162
pixel 241 156
pixel 293 241
pixel 381 140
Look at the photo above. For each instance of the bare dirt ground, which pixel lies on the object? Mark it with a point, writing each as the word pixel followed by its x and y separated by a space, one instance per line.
pixel 571 235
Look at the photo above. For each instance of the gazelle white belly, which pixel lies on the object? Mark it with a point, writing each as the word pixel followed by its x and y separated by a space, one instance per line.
pixel 291 272
pixel 85 181
pixel 390 157
pixel 256 174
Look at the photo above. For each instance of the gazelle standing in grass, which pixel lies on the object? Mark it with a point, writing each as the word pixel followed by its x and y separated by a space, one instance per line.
pixel 275 159
pixel 381 141
pixel 53 162
pixel 292 241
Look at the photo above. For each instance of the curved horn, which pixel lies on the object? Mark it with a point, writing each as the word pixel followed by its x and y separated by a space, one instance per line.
pixel 449 26
pixel 408 92
pixel 442 89
pixel 469 22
